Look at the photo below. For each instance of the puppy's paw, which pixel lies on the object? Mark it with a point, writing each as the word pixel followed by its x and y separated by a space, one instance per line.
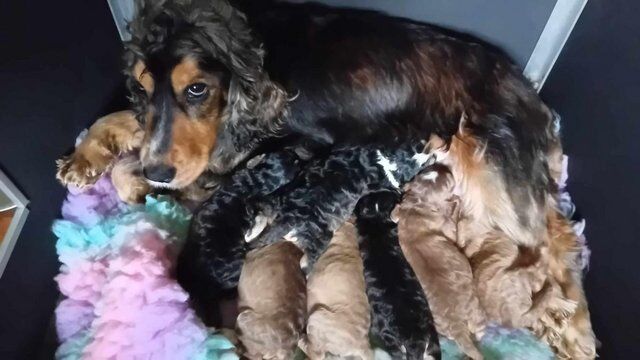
pixel 81 171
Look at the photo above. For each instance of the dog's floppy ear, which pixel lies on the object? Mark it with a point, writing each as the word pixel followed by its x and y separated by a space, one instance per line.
pixel 252 94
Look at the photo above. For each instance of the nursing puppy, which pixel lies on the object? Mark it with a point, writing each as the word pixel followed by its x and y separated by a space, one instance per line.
pixel 400 315
pixel 326 192
pixel 511 281
pixel 210 262
pixel 272 302
pixel 339 320
pixel 427 221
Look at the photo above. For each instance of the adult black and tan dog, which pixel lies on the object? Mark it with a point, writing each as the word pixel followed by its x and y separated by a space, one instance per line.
pixel 212 85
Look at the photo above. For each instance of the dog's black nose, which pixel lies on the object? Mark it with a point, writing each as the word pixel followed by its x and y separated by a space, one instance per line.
pixel 159 173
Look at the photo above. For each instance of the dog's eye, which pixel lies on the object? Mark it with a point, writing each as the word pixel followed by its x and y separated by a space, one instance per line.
pixel 196 91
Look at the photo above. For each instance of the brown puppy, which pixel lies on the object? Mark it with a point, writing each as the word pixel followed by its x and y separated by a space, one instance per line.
pixel 512 282
pixel 339 319
pixel 427 220
pixel 272 302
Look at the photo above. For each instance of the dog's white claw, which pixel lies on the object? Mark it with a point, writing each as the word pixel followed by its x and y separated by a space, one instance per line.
pixel 260 224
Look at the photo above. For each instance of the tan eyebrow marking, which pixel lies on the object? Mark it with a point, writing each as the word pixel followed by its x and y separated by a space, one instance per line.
pixel 143 75
pixel 184 74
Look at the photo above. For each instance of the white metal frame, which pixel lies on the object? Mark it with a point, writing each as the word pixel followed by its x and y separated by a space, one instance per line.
pixel 122 11
pixel 563 18
pixel 19 217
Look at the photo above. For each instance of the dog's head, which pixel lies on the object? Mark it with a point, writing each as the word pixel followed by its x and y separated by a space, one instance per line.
pixel 197 83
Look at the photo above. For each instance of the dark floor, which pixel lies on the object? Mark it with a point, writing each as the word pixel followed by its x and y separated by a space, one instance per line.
pixel 59 70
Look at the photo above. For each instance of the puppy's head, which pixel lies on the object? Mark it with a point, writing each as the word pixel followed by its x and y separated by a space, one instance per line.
pixel 377 205
pixel 196 81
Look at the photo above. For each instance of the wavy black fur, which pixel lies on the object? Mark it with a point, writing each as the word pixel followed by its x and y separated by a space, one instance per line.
pixel 327 191
pixel 210 263
pixel 400 314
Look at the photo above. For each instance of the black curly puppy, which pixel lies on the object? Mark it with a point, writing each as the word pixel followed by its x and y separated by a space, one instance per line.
pixel 210 262
pixel 400 314
pixel 325 194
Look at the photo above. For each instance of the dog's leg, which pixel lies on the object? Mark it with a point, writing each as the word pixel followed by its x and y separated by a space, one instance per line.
pixel 109 137
pixel 127 178
pixel 571 333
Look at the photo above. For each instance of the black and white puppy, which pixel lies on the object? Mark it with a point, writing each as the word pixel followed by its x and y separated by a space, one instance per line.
pixel 326 192
pixel 210 262
pixel 400 314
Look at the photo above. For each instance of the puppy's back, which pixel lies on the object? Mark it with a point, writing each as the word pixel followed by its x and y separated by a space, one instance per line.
pixel 428 233
pixel 338 323
pixel 272 302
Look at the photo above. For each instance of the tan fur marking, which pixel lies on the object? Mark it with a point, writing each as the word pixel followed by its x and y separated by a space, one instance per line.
pixel 184 74
pixel 192 143
pixel 193 131
pixel 483 193
pixel 141 74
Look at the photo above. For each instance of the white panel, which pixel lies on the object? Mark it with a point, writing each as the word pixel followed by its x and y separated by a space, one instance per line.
pixel 122 11
pixel 476 19
pixel 555 34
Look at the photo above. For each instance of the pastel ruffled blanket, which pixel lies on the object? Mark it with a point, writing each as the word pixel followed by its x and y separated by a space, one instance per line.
pixel 120 301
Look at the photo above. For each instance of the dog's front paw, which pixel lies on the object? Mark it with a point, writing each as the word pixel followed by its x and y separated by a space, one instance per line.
pixel 127 178
pixel 81 171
